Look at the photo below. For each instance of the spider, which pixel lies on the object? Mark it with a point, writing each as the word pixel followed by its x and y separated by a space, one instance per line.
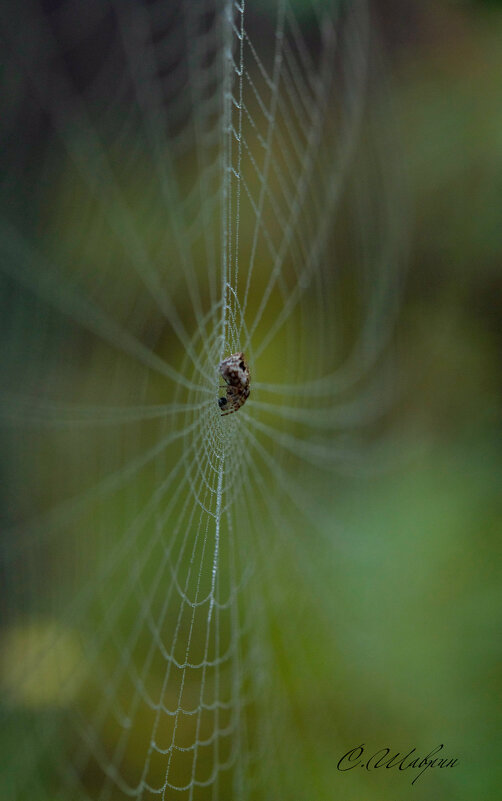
pixel 235 371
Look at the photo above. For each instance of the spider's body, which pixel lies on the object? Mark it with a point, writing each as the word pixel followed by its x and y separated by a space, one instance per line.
pixel 235 372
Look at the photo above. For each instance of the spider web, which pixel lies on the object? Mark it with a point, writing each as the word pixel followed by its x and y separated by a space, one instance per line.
pixel 183 181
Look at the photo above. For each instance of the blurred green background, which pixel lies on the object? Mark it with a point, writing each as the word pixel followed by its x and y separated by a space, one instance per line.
pixel 412 592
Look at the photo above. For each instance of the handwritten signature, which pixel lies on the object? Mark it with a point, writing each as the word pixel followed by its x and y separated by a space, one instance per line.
pixel 382 759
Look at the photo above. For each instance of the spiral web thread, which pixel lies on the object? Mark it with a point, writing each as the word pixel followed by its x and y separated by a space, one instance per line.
pixel 174 180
